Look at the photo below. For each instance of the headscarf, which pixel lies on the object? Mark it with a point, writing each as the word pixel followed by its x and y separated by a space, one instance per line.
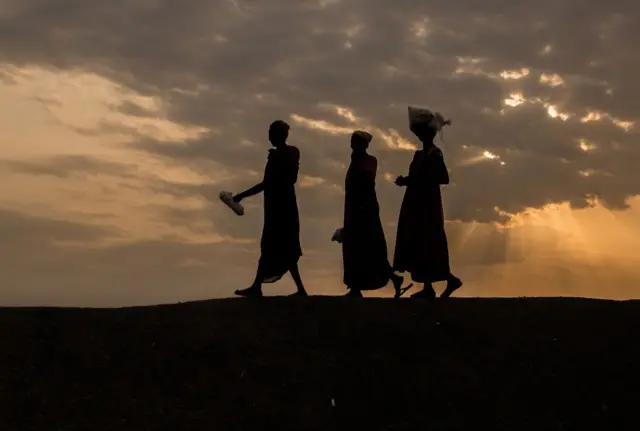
pixel 365 136
pixel 435 120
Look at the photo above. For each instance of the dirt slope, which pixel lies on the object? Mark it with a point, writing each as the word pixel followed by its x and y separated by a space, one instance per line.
pixel 277 364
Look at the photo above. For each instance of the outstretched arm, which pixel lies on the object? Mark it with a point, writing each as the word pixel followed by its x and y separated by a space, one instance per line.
pixel 258 188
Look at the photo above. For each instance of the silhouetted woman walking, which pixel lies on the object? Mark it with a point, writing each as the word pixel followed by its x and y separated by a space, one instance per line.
pixel 280 243
pixel 364 248
pixel 421 243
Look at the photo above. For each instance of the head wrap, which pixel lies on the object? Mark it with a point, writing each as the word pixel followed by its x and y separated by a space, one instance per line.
pixel 424 116
pixel 365 136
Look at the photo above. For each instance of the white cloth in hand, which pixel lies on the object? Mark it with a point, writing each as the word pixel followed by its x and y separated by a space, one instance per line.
pixel 227 199
pixel 337 235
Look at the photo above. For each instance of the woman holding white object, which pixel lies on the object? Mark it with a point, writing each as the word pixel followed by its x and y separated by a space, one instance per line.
pixel 280 244
pixel 421 242
pixel 364 247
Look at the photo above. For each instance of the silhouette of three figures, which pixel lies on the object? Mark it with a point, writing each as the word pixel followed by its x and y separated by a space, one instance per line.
pixel 421 241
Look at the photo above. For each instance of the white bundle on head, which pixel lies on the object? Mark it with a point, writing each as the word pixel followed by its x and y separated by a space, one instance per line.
pixel 426 116
pixel 366 136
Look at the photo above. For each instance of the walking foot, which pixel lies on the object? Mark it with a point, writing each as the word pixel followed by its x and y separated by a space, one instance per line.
pixel 426 293
pixel 404 289
pixel 354 294
pixel 250 292
pixel 397 286
pixel 300 293
pixel 453 284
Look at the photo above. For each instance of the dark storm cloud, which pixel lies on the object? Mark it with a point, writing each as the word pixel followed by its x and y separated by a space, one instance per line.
pixel 233 67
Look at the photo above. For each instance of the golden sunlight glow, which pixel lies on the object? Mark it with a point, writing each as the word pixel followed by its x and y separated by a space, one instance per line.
pixel 482 157
pixel 592 116
pixel 343 112
pixel 552 80
pixel 419 29
pixel 321 125
pixel 585 145
pixel 390 137
pixel 599 116
pixel 309 181
pixel 587 172
pixel 578 234
pixel 80 122
pixel 514 74
pixel 553 112
pixel 86 101
pixel 576 250
pixel 625 125
pixel 517 99
pixel 514 99
pixel 470 65
pixel 394 140
pixel 347 114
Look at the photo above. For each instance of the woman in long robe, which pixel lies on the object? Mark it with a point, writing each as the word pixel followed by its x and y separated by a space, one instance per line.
pixel 364 247
pixel 421 243
pixel 280 247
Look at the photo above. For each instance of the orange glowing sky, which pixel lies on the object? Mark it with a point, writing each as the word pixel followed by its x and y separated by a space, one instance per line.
pixel 121 121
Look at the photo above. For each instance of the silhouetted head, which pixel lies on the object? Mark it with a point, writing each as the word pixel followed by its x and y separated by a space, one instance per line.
pixel 424 131
pixel 360 141
pixel 426 124
pixel 278 133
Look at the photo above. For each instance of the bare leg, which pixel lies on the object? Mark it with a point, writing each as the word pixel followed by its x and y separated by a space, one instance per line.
pixel 453 284
pixel 354 293
pixel 255 290
pixel 397 285
pixel 295 274
pixel 426 293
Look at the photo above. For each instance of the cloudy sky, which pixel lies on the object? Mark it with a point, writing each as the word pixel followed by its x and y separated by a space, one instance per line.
pixel 122 120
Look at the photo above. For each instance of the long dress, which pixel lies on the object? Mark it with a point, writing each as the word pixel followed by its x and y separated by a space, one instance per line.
pixel 280 244
pixel 364 248
pixel 421 242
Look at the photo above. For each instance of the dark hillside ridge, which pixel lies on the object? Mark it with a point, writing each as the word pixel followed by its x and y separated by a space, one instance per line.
pixel 282 363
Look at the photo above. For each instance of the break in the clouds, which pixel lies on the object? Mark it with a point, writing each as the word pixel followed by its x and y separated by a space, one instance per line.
pixel 529 84
pixel 543 98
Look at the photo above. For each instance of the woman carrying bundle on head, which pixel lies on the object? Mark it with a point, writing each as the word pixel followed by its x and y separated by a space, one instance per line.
pixel 364 248
pixel 421 242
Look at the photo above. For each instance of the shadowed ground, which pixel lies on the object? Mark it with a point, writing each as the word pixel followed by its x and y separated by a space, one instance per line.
pixel 277 363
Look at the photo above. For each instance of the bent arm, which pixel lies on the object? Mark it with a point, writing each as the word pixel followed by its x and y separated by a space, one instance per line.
pixel 440 173
pixel 291 166
pixel 371 169
pixel 434 170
